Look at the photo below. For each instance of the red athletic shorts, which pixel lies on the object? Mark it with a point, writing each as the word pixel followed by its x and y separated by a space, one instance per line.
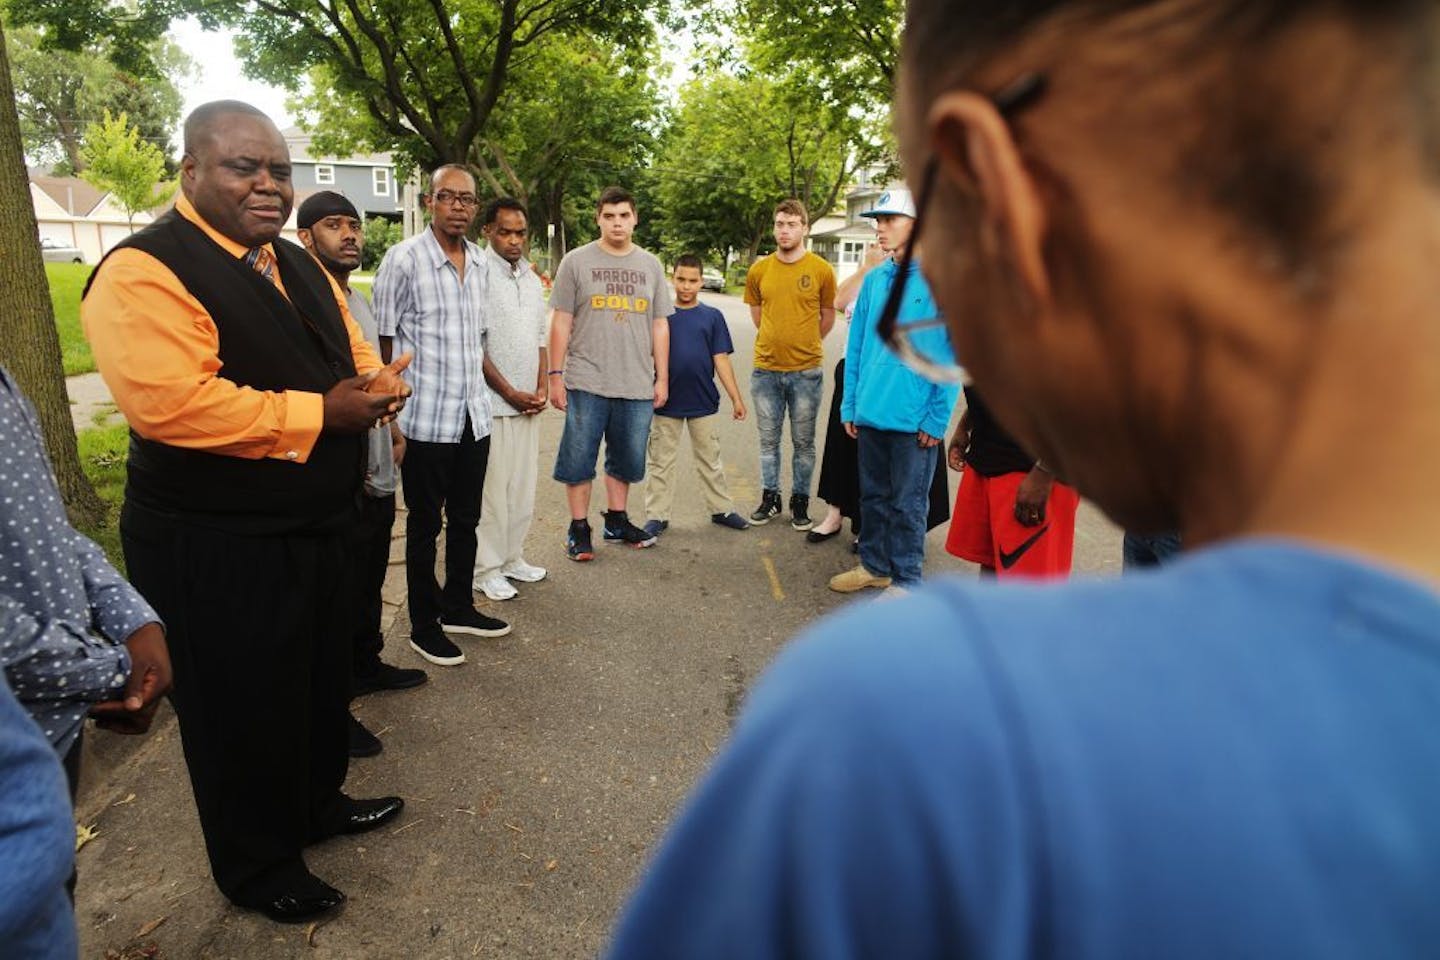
pixel 984 530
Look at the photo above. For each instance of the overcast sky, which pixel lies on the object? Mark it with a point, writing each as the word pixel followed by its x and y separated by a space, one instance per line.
pixel 219 74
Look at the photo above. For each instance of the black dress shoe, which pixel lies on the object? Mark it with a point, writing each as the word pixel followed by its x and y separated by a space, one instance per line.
pixel 363 743
pixel 386 677
pixel 302 907
pixel 815 536
pixel 363 815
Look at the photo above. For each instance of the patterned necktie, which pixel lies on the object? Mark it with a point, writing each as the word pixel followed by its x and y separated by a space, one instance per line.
pixel 260 260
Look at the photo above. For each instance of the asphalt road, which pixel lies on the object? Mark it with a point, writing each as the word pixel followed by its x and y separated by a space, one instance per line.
pixel 539 774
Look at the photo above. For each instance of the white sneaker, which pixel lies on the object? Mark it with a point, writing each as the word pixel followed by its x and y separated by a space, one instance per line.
pixel 522 571
pixel 496 587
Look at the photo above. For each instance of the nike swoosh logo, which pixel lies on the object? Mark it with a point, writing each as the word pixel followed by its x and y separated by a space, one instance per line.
pixel 1008 560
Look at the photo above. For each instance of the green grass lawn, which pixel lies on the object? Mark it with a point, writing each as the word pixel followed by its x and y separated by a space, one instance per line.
pixel 66 282
pixel 102 454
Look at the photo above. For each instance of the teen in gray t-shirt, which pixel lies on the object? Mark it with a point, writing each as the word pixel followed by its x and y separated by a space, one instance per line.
pixel 615 301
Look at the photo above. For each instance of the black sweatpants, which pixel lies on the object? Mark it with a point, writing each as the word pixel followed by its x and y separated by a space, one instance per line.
pixel 259 637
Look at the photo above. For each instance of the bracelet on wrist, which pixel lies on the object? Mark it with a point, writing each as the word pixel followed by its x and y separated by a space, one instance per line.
pixel 555 373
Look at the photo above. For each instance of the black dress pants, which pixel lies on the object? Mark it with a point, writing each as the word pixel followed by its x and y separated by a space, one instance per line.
pixel 448 477
pixel 370 551
pixel 259 636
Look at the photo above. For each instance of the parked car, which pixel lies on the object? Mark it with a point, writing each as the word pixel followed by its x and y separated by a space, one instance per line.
pixel 59 253
pixel 712 280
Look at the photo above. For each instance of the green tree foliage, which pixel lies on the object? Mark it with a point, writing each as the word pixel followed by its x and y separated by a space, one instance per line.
pixel 737 146
pixel 380 235
pixel 427 76
pixel 59 92
pixel 850 49
pixel 29 342
pixel 577 112
pixel 118 160
pixel 578 117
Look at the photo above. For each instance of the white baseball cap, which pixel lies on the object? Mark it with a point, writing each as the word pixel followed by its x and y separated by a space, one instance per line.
pixel 896 203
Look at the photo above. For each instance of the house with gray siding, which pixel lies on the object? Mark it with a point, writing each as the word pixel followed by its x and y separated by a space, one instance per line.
pixel 368 181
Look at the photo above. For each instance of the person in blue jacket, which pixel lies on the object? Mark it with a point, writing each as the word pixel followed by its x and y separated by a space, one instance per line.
pixel 897 416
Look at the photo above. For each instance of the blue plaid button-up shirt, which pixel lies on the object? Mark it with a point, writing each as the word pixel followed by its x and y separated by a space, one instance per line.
pixel 421 300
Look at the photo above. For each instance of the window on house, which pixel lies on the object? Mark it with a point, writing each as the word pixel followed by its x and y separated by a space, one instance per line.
pixel 381 177
pixel 324 173
pixel 852 251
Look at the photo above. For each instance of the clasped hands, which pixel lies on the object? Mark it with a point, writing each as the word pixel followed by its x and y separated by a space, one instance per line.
pixel 356 404
pixel 527 404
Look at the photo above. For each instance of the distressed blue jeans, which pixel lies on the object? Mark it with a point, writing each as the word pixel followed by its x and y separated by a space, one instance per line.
pixel 895 477
pixel 775 392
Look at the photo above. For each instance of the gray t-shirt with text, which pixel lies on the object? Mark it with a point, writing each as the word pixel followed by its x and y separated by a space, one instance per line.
pixel 614 301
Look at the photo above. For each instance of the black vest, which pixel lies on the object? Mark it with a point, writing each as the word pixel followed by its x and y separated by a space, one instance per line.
pixel 269 343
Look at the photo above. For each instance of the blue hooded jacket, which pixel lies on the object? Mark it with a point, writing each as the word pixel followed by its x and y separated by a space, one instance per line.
pixel 881 392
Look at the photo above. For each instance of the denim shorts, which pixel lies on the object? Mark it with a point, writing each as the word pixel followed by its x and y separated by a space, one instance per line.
pixel 625 425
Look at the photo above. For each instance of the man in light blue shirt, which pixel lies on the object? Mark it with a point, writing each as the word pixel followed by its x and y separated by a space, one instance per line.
pixel 427 300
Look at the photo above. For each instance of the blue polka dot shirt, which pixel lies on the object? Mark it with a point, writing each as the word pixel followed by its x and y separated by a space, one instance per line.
pixel 65 612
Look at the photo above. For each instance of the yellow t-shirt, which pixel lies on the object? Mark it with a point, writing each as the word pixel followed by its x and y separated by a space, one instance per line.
pixel 790 297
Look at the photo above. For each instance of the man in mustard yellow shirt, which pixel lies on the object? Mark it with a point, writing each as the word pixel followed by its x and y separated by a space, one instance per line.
pixel 791 294
pixel 249 389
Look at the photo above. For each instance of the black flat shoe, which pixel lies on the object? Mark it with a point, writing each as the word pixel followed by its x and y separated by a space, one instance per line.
pixel 363 743
pixel 302 908
pixel 815 536
pixel 364 815
pixel 388 677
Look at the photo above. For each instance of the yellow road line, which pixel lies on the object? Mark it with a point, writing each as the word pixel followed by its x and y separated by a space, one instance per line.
pixel 775 589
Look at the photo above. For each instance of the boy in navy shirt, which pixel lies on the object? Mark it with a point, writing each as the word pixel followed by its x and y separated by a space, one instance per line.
pixel 700 348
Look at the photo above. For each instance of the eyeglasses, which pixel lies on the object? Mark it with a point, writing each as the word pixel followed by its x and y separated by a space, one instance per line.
pixel 446 197
pixel 924 344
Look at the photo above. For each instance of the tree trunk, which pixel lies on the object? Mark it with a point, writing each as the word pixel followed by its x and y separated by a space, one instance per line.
pixel 29 342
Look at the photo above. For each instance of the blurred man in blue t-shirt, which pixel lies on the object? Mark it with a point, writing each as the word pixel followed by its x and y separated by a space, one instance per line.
pixel 1196 277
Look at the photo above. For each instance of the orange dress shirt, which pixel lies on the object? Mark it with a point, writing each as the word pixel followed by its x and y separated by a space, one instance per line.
pixel 158 351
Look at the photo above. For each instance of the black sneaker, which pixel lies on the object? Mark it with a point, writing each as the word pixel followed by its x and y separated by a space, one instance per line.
pixel 800 512
pixel 363 743
pixel 473 623
pixel 386 677
pixel 433 645
pixel 577 542
pixel 769 507
pixel 619 529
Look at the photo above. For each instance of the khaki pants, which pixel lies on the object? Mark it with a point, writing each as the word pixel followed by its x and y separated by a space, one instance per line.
pixel 508 505
pixel 660 465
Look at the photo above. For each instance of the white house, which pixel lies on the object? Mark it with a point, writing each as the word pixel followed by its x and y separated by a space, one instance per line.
pixel 75 213
pixel 844 241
